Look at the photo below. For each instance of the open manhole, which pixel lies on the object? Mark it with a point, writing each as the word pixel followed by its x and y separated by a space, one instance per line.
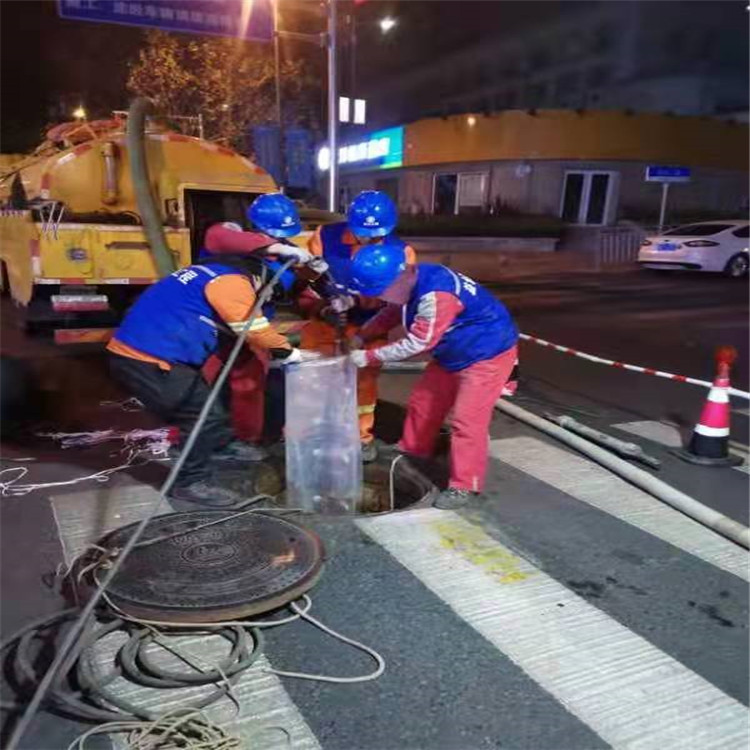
pixel 386 486
pixel 228 570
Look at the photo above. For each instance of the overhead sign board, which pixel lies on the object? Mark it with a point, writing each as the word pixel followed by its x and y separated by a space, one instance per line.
pixel 656 173
pixel 383 149
pixel 246 19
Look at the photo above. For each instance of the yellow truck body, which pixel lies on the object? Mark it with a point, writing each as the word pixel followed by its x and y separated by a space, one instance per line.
pixel 69 218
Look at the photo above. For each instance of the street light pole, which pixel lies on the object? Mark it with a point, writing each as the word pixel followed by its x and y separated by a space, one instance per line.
pixel 279 113
pixel 663 207
pixel 333 100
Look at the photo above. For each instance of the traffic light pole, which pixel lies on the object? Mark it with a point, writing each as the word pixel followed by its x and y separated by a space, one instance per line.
pixel 330 41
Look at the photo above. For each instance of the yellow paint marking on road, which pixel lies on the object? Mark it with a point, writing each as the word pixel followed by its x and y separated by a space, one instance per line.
pixel 476 547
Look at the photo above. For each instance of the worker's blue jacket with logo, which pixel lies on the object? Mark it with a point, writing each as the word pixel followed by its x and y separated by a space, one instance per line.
pixel 482 330
pixel 173 320
pixel 338 254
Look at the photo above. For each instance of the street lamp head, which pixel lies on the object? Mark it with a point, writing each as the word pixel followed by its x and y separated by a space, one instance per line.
pixel 79 113
pixel 387 23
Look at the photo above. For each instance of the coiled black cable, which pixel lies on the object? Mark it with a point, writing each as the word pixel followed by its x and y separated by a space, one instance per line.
pixel 80 691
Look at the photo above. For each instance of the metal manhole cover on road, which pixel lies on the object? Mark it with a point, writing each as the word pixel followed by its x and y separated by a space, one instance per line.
pixel 230 570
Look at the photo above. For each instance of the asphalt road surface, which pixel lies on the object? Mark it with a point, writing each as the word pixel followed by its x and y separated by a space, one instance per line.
pixel 565 609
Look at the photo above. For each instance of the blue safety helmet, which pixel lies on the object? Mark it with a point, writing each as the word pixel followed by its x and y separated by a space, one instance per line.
pixel 287 278
pixel 372 214
pixel 375 267
pixel 275 214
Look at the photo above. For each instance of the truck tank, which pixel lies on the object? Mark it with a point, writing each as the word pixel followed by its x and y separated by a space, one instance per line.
pixel 72 241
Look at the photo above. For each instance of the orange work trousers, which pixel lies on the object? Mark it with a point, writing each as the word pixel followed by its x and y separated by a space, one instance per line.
pixel 319 336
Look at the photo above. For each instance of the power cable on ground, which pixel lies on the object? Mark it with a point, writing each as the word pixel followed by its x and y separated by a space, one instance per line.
pixel 86 614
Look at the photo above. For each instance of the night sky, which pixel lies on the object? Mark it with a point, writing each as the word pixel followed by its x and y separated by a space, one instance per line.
pixel 50 65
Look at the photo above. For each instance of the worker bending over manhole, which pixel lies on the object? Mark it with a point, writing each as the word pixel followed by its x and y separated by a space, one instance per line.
pixel 371 219
pixel 473 341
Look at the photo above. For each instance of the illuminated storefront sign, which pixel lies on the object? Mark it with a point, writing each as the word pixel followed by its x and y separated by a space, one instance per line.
pixel 384 149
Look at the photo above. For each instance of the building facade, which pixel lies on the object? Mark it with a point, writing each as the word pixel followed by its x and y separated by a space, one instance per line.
pixel 586 167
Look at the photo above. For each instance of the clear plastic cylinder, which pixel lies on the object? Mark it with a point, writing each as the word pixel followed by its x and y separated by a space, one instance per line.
pixel 323 457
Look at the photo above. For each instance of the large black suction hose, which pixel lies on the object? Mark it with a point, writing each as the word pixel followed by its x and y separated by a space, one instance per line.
pixel 144 197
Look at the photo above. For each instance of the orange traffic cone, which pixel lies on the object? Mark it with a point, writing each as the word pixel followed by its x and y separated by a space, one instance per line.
pixel 709 445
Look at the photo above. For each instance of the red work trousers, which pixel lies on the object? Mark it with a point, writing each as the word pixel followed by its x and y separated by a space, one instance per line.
pixel 472 394
pixel 247 382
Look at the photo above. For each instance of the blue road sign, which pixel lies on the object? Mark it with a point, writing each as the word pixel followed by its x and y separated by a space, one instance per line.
pixel 298 154
pixel 266 149
pixel 655 173
pixel 247 19
pixel 299 158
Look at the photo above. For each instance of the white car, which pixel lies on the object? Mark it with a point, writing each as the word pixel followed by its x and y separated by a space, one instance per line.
pixel 719 246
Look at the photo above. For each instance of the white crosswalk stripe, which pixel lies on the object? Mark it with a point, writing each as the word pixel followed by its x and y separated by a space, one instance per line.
pixel 626 690
pixel 598 487
pixel 669 436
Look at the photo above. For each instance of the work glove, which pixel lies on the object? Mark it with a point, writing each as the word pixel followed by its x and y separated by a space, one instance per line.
pixel 317 265
pixel 302 256
pixel 359 358
pixel 297 356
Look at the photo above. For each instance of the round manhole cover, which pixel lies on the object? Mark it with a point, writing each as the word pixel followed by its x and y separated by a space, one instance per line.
pixel 224 571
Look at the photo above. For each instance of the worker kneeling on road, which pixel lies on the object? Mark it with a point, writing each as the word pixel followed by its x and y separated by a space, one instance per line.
pixel 473 341
pixel 165 339
pixel 336 315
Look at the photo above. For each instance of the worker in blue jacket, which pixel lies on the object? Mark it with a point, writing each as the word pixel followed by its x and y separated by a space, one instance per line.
pixel 473 342
pixel 166 338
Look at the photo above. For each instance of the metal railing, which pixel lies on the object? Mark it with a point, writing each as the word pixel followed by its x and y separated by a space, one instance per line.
pixel 618 246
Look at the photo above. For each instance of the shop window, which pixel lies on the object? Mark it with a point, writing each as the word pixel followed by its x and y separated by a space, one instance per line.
pixel 586 197
pixel 459 192
pixel 471 192
pixel 444 189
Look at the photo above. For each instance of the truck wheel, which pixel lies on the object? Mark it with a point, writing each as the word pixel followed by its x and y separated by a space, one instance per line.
pixel 737 266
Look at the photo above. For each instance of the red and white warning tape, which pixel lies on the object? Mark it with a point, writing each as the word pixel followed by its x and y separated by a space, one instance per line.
pixel 624 366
